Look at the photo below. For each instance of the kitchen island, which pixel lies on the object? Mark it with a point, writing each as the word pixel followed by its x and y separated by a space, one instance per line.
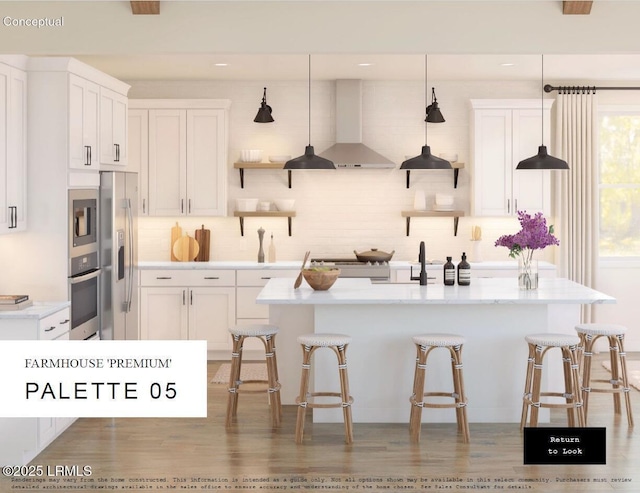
pixel 492 314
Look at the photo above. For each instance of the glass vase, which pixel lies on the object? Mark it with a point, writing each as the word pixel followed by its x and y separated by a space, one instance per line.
pixel 527 273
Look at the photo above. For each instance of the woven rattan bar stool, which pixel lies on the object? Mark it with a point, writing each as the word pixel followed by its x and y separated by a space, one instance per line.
pixel 338 343
pixel 539 344
pixel 424 345
pixel 589 334
pixel 267 334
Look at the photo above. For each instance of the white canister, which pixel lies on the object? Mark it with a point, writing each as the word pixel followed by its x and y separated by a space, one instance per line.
pixel 420 201
pixel 264 206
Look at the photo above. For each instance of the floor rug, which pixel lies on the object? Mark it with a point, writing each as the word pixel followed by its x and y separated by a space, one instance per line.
pixel 249 371
pixel 633 372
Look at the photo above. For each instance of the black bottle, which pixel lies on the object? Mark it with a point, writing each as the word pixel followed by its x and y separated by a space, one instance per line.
pixel 464 271
pixel 449 273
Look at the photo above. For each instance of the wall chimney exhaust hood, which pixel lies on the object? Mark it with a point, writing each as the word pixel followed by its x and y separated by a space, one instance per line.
pixel 349 151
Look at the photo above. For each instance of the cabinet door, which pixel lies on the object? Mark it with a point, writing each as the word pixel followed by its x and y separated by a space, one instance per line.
pixel 167 162
pixel 492 162
pixel 531 188
pixel 113 124
pixel 211 313
pixel 5 213
pixel 206 163
pixel 17 150
pixel 163 313
pixel 83 123
pixel 138 154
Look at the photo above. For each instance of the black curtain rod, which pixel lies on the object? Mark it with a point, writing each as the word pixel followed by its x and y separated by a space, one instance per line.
pixel 586 89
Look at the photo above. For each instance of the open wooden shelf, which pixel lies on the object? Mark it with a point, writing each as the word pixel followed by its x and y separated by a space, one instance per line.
pixel 456 171
pixel 243 214
pixel 242 166
pixel 455 214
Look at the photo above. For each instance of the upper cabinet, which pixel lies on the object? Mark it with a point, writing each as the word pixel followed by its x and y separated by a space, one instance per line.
pixel 113 127
pixel 83 123
pixel 184 143
pixel 504 133
pixel 13 149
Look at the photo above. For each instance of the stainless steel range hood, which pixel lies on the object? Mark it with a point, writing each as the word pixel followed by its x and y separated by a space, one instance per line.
pixel 349 151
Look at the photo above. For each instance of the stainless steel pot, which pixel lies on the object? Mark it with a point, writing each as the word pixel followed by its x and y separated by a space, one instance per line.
pixel 374 255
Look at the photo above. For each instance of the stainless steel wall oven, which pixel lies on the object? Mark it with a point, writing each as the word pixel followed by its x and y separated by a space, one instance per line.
pixel 84 266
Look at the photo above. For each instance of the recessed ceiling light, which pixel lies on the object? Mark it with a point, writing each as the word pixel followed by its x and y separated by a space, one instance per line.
pixel 507 64
pixel 365 64
pixel 221 64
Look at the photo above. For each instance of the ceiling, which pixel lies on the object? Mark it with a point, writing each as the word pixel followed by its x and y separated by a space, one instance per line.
pixel 564 68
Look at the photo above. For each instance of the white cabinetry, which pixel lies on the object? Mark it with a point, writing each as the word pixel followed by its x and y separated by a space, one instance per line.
pixel 188 304
pixel 13 146
pixel 24 438
pixel 83 123
pixel 138 154
pixel 182 153
pixel 504 133
pixel 113 127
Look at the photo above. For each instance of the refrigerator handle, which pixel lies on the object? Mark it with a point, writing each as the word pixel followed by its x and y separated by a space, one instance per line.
pixel 131 254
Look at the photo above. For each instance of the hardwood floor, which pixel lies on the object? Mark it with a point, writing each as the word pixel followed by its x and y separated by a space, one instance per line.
pixel 201 453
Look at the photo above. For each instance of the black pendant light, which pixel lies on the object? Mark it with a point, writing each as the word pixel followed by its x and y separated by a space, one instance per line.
pixel 309 160
pixel 434 115
pixel 542 160
pixel 425 160
pixel 264 113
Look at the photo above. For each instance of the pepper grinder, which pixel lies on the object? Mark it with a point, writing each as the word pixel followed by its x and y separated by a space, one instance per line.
pixel 260 250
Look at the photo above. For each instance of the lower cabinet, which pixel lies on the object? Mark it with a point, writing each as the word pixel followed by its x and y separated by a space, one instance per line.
pixel 24 438
pixel 196 305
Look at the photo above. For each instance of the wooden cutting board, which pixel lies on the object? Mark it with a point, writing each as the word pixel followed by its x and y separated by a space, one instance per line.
pixel 176 234
pixel 186 249
pixel 203 238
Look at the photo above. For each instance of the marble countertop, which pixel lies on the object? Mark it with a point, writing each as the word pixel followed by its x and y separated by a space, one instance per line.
pixel 481 291
pixel 38 310
pixel 295 264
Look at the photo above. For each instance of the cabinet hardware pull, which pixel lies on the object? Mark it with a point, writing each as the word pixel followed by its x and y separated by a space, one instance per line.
pixel 265 278
pixel 191 297
pixel 189 206
pixel 183 298
pixel 163 277
pixel 49 329
pixel 117 146
pixel 211 277
pixel 143 206
pixel 181 205
pixel 515 209
pixel 508 206
pixel 13 216
pixel 65 321
pixel 87 161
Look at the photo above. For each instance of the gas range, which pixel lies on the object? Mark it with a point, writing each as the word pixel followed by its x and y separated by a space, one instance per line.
pixel 350 267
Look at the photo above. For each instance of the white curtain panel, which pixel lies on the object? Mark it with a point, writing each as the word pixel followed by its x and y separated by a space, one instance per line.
pixel 577 206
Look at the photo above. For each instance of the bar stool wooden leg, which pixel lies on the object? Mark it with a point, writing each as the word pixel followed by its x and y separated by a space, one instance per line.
pixel 625 379
pixel 537 379
pixel 344 390
pixel 234 378
pixel 458 388
pixel 304 391
pixel 615 377
pixel 415 419
pixel 575 386
pixel 566 366
pixel 274 385
pixel 586 372
pixel 526 398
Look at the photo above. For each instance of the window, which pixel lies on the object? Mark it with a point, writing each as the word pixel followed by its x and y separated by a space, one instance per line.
pixel 619 183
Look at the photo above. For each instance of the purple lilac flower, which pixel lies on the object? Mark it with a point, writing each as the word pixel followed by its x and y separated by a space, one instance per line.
pixel 534 235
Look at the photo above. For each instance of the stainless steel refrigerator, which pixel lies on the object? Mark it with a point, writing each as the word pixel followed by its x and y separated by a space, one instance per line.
pixel 118 210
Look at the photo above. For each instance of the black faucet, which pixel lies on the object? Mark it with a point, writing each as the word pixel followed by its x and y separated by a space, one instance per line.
pixel 422 258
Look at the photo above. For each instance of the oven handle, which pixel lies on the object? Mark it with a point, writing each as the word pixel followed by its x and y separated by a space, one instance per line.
pixel 85 277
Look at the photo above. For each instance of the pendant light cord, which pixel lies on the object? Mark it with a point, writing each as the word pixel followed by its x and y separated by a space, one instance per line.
pixel 309 98
pixel 542 98
pixel 426 96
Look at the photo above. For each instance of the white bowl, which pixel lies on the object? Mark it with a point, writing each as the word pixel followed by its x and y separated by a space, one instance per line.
pixel 285 204
pixel 444 200
pixel 246 205
pixel 251 156
pixel 279 159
